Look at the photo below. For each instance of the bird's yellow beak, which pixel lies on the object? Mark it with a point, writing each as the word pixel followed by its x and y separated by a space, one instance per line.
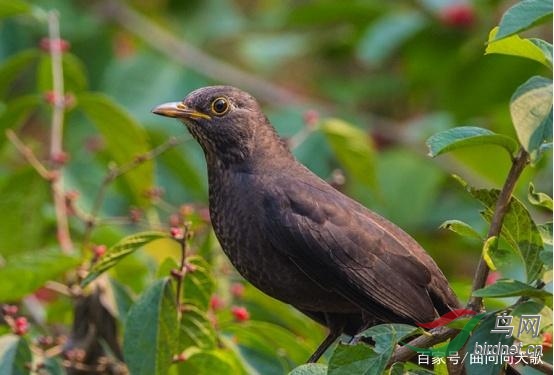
pixel 179 110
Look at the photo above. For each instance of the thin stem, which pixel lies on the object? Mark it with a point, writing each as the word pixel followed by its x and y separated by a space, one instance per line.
pixel 56 132
pixel 116 171
pixel 502 205
pixel 28 154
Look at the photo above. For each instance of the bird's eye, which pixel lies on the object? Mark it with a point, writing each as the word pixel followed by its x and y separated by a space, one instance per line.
pixel 220 106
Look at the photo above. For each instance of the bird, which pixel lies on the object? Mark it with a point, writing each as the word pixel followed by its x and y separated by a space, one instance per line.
pixel 295 237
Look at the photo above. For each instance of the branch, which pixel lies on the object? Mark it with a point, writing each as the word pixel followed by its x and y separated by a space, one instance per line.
pixel 56 132
pixel 117 171
pixel 28 154
pixel 502 205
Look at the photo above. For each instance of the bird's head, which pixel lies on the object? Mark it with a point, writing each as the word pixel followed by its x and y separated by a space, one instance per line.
pixel 227 122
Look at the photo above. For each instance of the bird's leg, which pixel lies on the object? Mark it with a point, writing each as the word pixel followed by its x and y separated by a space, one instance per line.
pixel 333 335
pixel 336 326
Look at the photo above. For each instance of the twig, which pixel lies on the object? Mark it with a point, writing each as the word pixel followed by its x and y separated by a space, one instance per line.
pixel 56 132
pixel 28 154
pixel 116 171
pixel 502 205
pixel 180 275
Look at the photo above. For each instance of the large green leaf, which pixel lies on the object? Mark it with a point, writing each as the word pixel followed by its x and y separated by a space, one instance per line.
pixel 362 359
pixel 12 67
pixel 198 285
pixel 511 288
pixel 461 228
pixel 523 15
pixel 310 369
pixel 480 335
pixel 15 355
pixel 23 273
pixel 518 229
pixel 353 149
pixel 125 140
pixel 210 362
pixel 531 110
pixel 74 74
pixel 196 329
pixel 23 196
pixel 151 331
pixel 120 250
pixel 467 136
pixel 533 49
pixel 9 8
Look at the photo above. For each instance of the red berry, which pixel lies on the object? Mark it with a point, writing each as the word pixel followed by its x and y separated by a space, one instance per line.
pixel 177 233
pixel 135 215
pixel 240 313
pixel 61 45
pixel 237 290
pixel 311 118
pixel 179 357
pixel 99 250
pixel 21 325
pixel 60 158
pixel 45 295
pixel 458 15
pixel 216 303
pixel 493 276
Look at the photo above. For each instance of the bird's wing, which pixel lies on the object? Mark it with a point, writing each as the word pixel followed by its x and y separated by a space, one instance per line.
pixel 342 246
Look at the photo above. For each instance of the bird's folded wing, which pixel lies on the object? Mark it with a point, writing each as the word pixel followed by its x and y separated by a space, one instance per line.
pixel 342 247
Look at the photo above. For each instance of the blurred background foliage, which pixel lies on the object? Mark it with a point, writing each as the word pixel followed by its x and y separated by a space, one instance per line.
pixel 393 73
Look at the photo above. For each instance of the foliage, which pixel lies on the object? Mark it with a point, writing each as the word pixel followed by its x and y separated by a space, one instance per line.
pixel 112 225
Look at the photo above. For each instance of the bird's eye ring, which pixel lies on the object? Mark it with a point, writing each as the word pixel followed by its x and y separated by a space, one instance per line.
pixel 220 106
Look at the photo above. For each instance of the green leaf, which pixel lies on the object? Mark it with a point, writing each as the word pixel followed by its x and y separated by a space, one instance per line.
pixel 13 66
pixel 210 362
pixel 125 139
pixel 518 229
pixel 74 74
pixel 17 112
pixel 151 331
pixel 353 149
pixel 15 355
pixel 531 110
pixel 515 46
pixel 310 369
pixel 196 329
pixel 511 288
pixel 539 199
pixel 362 359
pixel 9 8
pixel 23 273
pixel 383 37
pixel 480 335
pixel 461 228
pixel 523 15
pixel 546 232
pixel 198 285
pixel 120 250
pixel 23 195
pixel 467 136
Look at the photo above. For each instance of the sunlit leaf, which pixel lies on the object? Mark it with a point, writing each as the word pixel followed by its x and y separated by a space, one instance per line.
pixel 537 49
pixel 467 136
pixel 539 199
pixel 23 273
pixel 353 148
pixel 9 8
pixel 120 250
pixel 151 331
pixel 461 228
pixel 15 355
pixel 531 110
pixel 523 15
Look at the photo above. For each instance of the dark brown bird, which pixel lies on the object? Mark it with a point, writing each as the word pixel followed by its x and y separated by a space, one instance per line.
pixel 294 236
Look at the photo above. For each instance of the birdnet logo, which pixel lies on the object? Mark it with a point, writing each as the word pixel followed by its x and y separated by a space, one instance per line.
pixel 484 353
